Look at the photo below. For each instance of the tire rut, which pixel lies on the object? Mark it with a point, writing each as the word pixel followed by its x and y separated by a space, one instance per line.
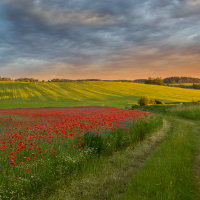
pixel 197 159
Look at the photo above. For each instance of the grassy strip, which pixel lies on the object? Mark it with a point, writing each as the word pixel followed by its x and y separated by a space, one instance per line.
pixel 197 171
pixel 189 110
pixel 116 140
pixel 169 174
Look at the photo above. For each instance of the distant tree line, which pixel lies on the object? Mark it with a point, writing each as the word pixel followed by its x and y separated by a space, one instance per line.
pixel 5 79
pixel 70 80
pixel 67 80
pixel 139 80
pixel 26 80
pixel 156 81
pixel 19 79
pixel 176 79
pixel 172 80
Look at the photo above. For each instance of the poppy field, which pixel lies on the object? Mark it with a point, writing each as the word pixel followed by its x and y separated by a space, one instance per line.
pixel 40 145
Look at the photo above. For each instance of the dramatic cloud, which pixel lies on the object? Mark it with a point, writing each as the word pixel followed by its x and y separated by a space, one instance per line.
pixel 115 39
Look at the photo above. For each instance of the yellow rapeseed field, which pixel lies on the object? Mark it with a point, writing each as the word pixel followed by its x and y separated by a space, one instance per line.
pixel 119 94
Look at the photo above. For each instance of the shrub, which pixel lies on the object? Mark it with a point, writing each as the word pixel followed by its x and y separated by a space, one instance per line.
pixel 144 100
pixel 152 101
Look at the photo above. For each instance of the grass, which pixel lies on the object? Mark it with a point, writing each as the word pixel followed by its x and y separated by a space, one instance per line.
pixel 89 93
pixel 190 110
pixel 169 174
pixel 186 84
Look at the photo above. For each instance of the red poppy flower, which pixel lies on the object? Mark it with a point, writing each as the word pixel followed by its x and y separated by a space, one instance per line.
pixel 13 163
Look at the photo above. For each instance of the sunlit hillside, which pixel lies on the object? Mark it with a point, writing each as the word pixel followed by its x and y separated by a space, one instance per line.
pixel 119 94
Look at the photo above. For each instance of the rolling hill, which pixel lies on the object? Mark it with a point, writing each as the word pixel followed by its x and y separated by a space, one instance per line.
pixel 93 93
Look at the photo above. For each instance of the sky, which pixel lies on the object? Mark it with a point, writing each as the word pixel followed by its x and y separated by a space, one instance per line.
pixel 103 39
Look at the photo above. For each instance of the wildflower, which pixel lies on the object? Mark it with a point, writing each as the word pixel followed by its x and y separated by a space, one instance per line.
pixel 32 154
pixel 27 170
pixel 54 152
pixel 13 163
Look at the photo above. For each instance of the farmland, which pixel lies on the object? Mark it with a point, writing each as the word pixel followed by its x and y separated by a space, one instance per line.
pixel 90 93
pixel 84 142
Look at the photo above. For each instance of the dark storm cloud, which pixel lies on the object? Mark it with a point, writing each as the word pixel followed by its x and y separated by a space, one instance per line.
pixel 37 34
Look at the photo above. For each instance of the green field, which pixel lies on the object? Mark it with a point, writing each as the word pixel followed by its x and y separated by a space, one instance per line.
pixel 186 84
pixel 164 165
pixel 67 94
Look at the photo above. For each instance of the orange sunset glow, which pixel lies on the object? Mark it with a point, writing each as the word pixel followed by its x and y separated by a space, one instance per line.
pixel 102 40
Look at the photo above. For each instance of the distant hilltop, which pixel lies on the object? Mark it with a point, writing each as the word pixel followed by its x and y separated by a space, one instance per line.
pixel 119 80
pixel 168 80
pixel 68 80
pixel 176 79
